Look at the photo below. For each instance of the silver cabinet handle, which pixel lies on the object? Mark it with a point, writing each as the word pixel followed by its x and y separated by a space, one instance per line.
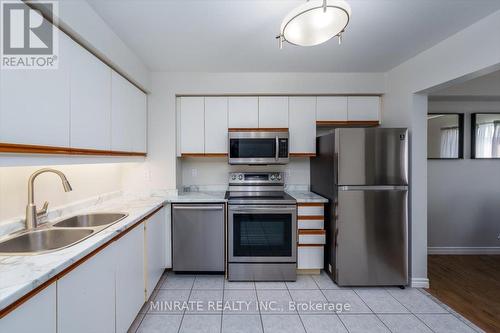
pixel 185 207
pixel 277 148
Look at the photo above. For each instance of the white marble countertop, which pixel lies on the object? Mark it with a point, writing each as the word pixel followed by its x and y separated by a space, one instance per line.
pixel 21 274
pixel 303 196
pixel 200 196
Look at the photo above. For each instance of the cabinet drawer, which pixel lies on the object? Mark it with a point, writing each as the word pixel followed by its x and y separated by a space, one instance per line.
pixel 310 257
pixel 316 237
pixel 311 224
pixel 316 210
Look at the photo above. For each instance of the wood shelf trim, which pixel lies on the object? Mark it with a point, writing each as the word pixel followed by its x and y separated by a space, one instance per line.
pixel 204 155
pixel 312 232
pixel 310 245
pixel 367 123
pixel 310 204
pixel 271 129
pixel 14 148
pixel 310 217
pixel 302 154
pixel 11 307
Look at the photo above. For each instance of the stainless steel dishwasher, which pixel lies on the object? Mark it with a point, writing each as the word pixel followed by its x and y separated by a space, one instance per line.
pixel 198 237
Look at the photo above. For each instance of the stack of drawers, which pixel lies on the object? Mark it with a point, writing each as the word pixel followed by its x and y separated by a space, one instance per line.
pixel 311 236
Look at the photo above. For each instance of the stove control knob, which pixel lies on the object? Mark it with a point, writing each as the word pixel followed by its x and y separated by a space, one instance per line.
pixel 233 177
pixel 273 177
pixel 278 177
pixel 240 177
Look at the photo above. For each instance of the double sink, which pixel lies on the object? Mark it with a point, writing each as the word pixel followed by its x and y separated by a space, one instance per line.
pixel 59 235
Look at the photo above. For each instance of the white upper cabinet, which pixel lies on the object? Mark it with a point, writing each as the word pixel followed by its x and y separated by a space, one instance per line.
pixel 331 108
pixel 273 112
pixel 128 116
pixel 363 108
pixel 243 112
pixel 302 125
pixel 35 103
pixel 215 125
pixel 90 101
pixel 192 118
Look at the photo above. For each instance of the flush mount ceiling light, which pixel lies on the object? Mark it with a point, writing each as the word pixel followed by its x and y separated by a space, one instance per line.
pixel 315 22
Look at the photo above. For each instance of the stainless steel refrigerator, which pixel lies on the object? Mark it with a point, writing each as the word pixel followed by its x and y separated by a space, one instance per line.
pixel 364 174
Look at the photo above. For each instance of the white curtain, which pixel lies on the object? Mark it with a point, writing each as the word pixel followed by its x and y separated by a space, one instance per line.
pixel 484 140
pixel 495 149
pixel 449 142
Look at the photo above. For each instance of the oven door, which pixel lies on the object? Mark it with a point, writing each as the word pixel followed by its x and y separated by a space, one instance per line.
pixel 258 148
pixel 262 233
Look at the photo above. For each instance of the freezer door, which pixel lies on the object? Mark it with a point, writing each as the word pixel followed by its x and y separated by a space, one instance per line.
pixel 372 156
pixel 372 241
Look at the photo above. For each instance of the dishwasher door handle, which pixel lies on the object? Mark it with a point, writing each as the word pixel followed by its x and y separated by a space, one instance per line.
pixel 186 207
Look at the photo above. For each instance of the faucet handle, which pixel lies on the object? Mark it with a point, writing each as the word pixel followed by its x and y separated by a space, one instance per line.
pixel 43 211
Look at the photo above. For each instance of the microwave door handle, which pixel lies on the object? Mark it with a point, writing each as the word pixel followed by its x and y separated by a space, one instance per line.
pixel 277 148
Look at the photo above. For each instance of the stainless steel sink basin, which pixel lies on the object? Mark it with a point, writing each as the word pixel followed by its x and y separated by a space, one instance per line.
pixel 90 220
pixel 43 241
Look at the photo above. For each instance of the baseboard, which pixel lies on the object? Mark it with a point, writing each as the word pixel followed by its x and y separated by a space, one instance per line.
pixel 464 250
pixel 420 283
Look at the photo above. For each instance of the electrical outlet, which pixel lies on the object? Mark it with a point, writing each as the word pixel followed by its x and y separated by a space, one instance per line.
pixel 498 237
pixel 194 172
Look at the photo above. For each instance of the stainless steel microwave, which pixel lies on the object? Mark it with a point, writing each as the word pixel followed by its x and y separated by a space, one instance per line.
pixel 258 147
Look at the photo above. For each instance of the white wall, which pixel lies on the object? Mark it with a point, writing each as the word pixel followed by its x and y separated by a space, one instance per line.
pixel 161 139
pixel 87 180
pixel 470 53
pixel 463 195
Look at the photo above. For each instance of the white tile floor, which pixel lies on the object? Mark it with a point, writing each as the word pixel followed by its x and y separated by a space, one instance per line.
pixel 362 309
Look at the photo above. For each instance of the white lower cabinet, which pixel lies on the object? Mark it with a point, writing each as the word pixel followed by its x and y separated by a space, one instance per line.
pixel 36 315
pixel 155 250
pixel 86 296
pixel 129 277
pixel 310 257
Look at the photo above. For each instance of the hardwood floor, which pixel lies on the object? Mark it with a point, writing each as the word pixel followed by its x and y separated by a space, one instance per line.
pixel 470 285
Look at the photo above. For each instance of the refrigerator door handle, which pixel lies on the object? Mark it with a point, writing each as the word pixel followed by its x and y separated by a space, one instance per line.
pixel 374 188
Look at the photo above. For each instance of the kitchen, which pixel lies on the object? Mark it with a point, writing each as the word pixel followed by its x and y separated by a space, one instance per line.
pixel 151 157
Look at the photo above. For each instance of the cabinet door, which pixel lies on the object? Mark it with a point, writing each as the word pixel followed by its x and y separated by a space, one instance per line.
pixel 86 296
pixel 34 103
pixel 243 112
pixel 331 108
pixel 273 112
pixel 155 250
pixel 129 277
pixel 363 108
pixel 215 125
pixel 138 101
pixel 38 314
pixel 302 126
pixel 90 101
pixel 192 125
pixel 121 114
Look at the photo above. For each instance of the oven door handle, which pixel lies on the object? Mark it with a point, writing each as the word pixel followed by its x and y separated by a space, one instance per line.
pixel 259 209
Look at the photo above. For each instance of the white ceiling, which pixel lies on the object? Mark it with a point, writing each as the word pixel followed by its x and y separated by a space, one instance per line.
pixel 486 86
pixel 239 35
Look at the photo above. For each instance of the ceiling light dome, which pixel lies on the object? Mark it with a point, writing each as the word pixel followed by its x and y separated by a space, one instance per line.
pixel 315 22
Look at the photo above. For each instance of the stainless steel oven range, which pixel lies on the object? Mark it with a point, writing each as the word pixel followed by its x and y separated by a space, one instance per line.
pixel 262 228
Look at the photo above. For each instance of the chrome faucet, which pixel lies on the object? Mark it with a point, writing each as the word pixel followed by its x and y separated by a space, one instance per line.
pixel 32 214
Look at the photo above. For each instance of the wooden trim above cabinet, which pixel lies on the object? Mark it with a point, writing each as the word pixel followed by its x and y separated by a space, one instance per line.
pixel 310 217
pixel 14 148
pixel 302 154
pixel 11 307
pixel 310 204
pixel 203 155
pixel 349 123
pixel 312 232
pixel 270 129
